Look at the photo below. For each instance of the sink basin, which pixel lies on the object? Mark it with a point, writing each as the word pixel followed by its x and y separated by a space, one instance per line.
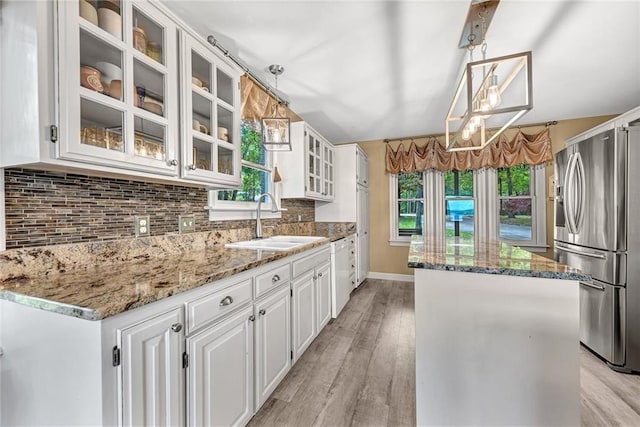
pixel 275 243
pixel 295 239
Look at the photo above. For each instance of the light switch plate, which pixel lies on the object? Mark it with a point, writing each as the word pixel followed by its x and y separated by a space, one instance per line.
pixel 142 226
pixel 186 224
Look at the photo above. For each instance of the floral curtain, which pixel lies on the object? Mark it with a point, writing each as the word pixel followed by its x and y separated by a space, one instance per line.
pixel 522 148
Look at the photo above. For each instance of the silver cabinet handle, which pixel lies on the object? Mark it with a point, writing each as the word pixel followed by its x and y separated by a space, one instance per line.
pixel 275 278
pixel 592 285
pixel 226 301
pixel 176 327
pixel 192 167
pixel 252 318
pixel 263 312
pixel 589 254
pixel 173 162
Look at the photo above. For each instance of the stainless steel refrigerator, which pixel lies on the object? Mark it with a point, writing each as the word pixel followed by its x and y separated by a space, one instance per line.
pixel 597 229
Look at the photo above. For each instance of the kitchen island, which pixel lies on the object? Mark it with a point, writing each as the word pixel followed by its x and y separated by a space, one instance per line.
pixel 497 335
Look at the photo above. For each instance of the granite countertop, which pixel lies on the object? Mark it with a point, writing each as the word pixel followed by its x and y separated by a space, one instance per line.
pixel 103 290
pixel 488 257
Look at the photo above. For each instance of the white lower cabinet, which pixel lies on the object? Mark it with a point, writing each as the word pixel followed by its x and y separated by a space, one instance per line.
pixel 311 301
pixel 220 380
pixel 209 356
pixel 273 342
pixel 152 374
pixel 304 312
pixel 323 295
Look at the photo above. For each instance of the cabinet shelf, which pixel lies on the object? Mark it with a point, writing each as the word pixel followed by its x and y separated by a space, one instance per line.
pixel 149 62
pixel 101 34
pixel 102 98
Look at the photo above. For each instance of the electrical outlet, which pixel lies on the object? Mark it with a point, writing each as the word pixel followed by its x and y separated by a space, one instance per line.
pixel 186 223
pixel 142 226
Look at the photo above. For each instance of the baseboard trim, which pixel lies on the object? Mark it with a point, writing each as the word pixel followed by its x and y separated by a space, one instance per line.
pixel 390 276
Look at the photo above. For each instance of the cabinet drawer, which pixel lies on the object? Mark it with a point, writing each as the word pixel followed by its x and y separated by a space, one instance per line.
pixel 309 262
pixel 208 308
pixel 271 279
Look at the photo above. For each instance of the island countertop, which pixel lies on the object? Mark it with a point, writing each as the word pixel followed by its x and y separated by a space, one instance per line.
pixel 100 291
pixel 486 257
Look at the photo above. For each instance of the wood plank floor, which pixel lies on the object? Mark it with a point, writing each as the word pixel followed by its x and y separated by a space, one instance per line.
pixel 360 371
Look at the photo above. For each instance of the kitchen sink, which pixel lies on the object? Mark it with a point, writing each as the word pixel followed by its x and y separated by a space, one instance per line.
pixel 275 243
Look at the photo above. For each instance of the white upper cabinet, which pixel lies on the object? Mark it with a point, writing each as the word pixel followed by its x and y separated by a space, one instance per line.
pixel 362 168
pixel 118 87
pixel 308 170
pixel 97 87
pixel 210 115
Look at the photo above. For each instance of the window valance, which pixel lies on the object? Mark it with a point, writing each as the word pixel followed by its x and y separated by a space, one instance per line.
pixel 522 148
pixel 257 103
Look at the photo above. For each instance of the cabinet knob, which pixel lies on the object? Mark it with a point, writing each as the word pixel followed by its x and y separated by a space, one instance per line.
pixel 275 278
pixel 252 318
pixel 173 162
pixel 226 301
pixel 319 274
pixel 176 327
pixel 263 312
pixel 192 167
pixel 353 283
pixel 353 266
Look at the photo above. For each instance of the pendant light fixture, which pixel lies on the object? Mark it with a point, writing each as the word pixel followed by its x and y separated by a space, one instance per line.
pixel 276 130
pixel 498 90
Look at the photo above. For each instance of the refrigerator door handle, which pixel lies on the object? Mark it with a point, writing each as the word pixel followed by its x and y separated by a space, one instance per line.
pixel 592 285
pixel 565 193
pixel 588 254
pixel 570 195
pixel 582 187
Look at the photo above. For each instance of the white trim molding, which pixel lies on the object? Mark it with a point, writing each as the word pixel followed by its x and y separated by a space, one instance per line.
pixel 391 276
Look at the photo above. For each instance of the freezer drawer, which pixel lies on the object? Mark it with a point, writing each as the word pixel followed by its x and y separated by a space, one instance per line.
pixel 610 267
pixel 602 325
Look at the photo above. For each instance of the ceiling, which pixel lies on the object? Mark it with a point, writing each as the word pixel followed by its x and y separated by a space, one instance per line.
pixel 366 70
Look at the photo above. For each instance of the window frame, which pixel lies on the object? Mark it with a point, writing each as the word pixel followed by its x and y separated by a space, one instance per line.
pixel 486 205
pixel 472 197
pixel 228 210
pixel 395 238
pixel 537 188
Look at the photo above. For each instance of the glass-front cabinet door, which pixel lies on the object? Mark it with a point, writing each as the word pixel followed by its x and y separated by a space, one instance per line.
pixel 313 164
pixel 210 115
pixel 118 85
pixel 327 171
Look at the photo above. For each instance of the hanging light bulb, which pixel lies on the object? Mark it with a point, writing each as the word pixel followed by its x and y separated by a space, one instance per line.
pixel 275 135
pixel 275 130
pixel 493 92
pixel 466 133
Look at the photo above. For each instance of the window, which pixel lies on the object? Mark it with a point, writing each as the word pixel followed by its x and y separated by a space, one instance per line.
pixel 521 212
pixel 407 211
pixel 256 179
pixel 507 203
pixel 459 203
pixel 516 202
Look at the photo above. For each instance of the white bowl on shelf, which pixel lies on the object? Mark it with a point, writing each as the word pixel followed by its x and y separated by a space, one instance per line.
pixel 109 71
pixel 88 11
pixel 110 21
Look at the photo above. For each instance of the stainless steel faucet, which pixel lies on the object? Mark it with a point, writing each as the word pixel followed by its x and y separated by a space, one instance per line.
pixel 274 209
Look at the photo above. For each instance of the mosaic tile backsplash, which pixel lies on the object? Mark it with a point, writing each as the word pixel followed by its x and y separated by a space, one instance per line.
pixel 52 208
